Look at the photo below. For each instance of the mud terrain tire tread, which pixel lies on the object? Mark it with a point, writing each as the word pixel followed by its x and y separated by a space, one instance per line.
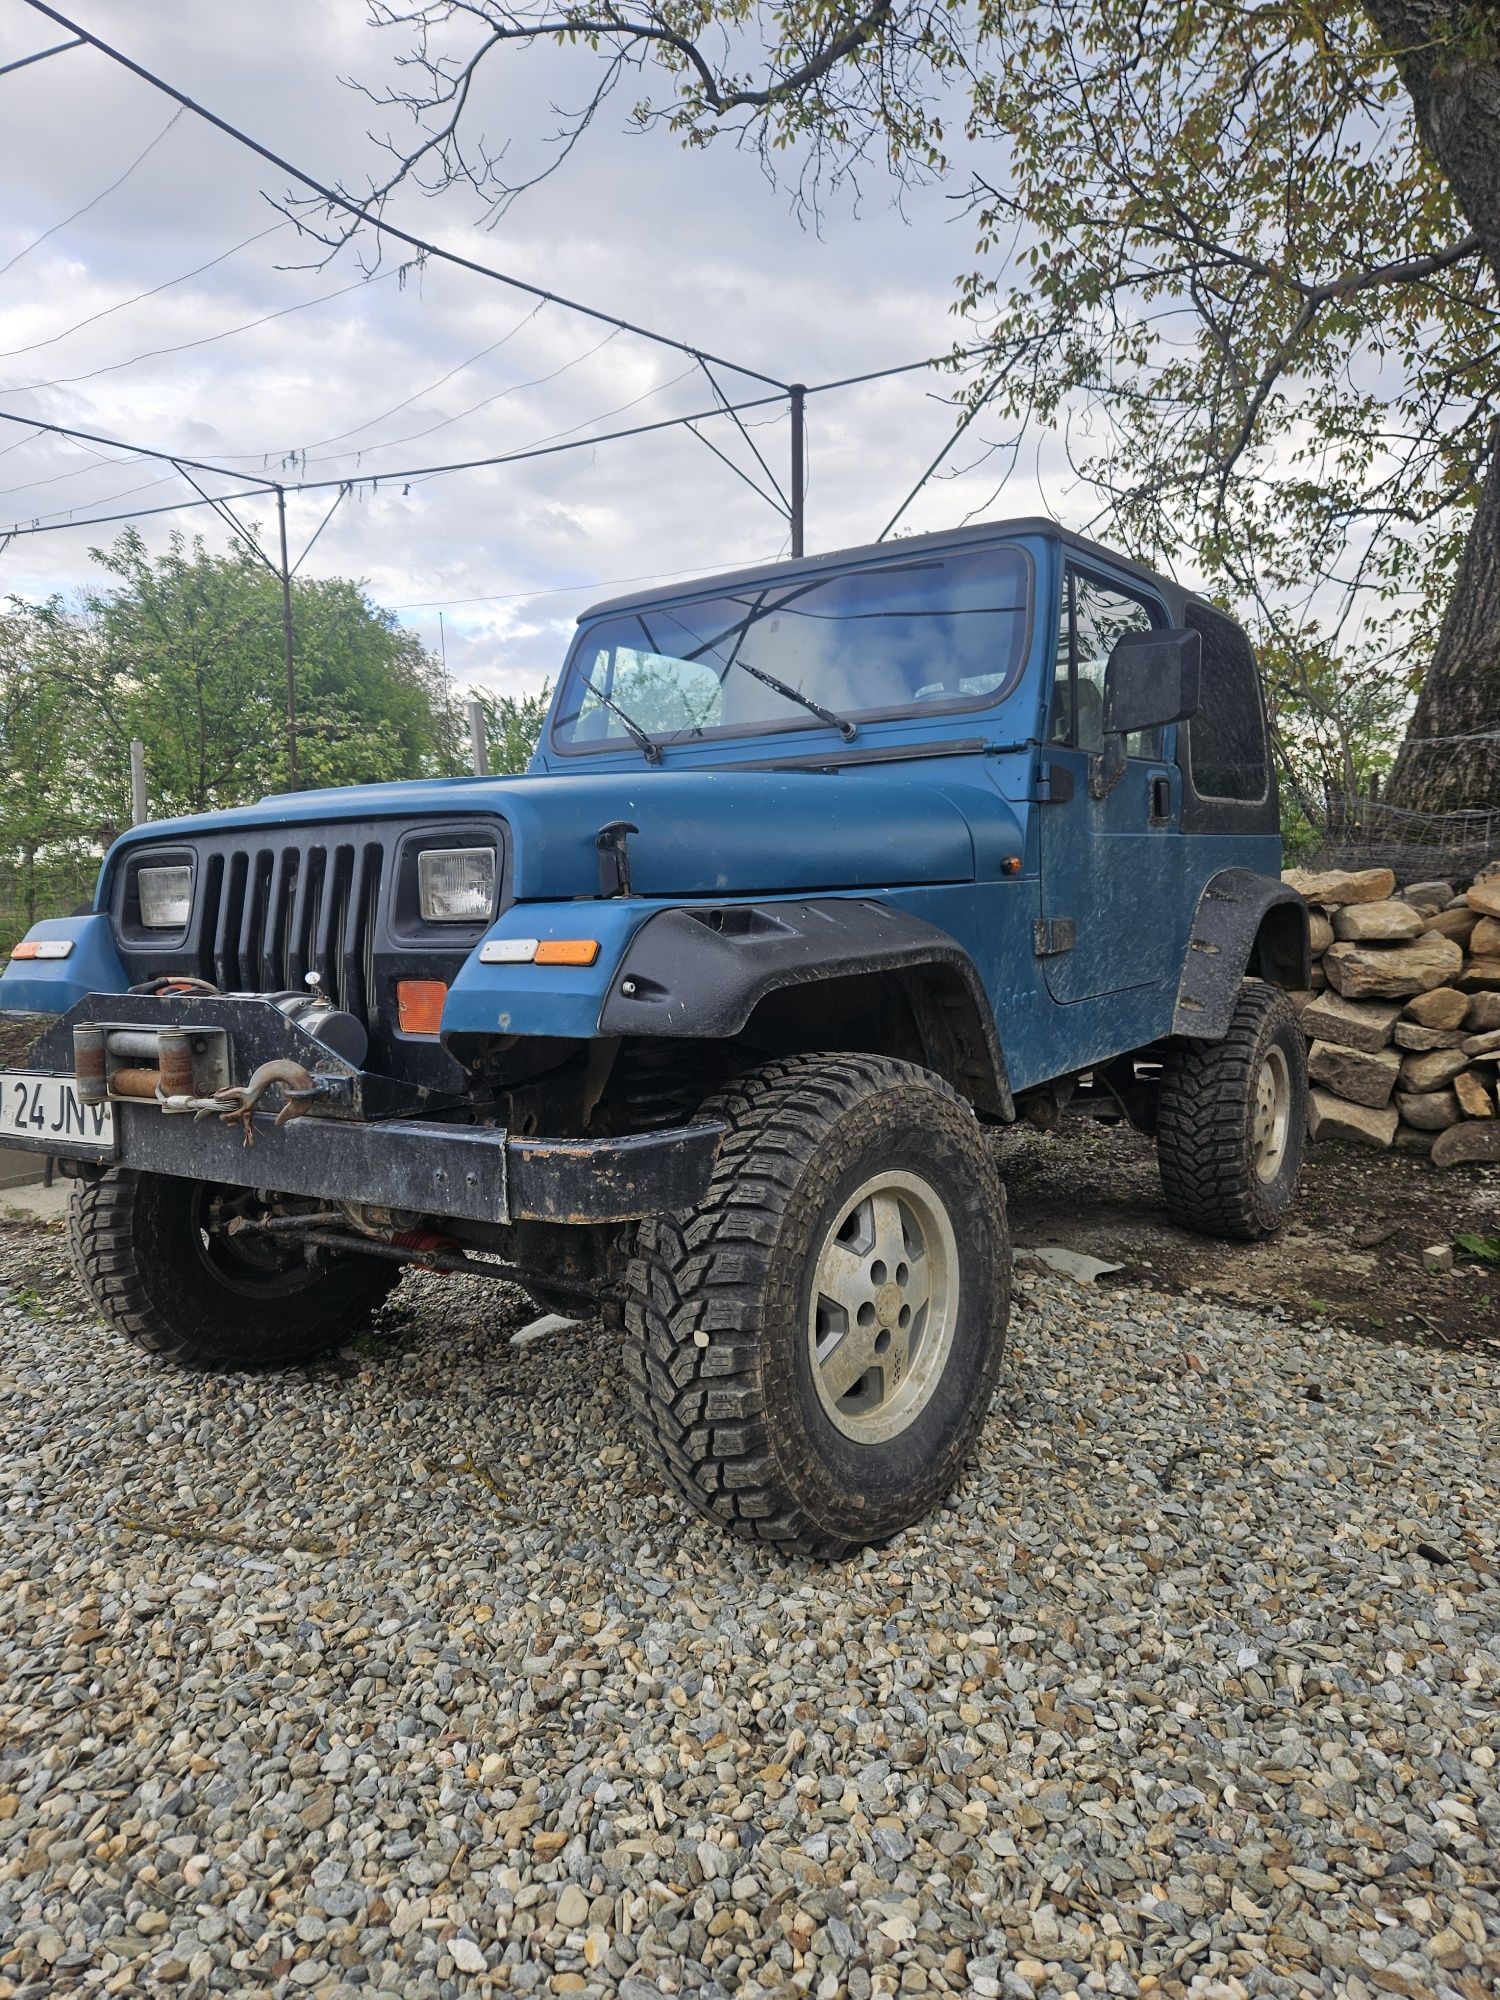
pixel 1203 1122
pixel 694 1303
pixel 120 1233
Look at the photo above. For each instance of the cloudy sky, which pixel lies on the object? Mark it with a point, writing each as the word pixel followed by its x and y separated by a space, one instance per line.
pixel 365 376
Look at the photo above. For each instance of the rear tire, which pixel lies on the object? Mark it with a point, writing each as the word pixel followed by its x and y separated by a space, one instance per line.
pixel 156 1274
pixel 812 1352
pixel 1232 1119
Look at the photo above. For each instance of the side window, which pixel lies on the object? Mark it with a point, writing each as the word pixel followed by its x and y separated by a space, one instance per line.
pixel 1227 737
pixel 1094 616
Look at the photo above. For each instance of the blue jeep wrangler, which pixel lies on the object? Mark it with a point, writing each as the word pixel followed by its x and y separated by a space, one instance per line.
pixel 819 869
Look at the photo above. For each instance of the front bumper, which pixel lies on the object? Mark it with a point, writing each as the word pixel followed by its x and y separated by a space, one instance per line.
pixel 475 1172
pixel 374 1142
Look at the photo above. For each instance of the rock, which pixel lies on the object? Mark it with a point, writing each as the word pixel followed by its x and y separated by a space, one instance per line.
pixel 466 1954
pixel 1302 998
pixel 1329 1117
pixel 1045 1927
pixel 1362 1076
pixel 1474 1099
pixel 1484 939
pixel 1485 896
pixel 1338 886
pixel 1410 1035
pixel 1480 975
pixel 1465 1144
pixel 1482 1045
pixel 542 1329
pixel 1389 923
pixel 1428 1111
pixel 1434 1070
pixel 1457 924
pixel 1319 976
pixel 1368 972
pixel 572 1907
pixel 1439 894
pixel 1319 932
pixel 1438 1257
pixel 1483 1014
pixel 1350 1023
pixel 1443 1007
pixel 1083 1270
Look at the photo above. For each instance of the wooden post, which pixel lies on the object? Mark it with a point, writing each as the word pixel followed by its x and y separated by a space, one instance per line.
pixel 477 742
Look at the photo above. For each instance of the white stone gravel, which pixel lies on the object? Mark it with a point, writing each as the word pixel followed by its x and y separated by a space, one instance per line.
pixel 403 1676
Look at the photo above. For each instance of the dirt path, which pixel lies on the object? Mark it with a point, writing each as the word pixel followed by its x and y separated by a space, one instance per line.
pixel 1353 1251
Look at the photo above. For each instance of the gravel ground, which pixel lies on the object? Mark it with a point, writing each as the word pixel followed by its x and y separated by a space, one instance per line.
pixel 402 1675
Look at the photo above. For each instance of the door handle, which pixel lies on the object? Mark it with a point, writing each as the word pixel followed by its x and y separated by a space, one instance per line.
pixel 1161 800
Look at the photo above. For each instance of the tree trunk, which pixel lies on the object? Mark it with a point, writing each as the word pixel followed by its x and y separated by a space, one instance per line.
pixel 1460 696
pixel 1450 65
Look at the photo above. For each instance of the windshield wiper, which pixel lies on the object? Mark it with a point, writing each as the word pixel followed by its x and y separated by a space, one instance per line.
pixel 649 750
pixel 841 723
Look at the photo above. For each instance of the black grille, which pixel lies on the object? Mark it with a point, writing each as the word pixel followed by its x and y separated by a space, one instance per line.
pixel 274 912
pixel 272 904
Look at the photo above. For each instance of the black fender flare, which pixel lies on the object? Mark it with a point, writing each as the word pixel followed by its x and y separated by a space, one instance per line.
pixel 1230 936
pixel 700 971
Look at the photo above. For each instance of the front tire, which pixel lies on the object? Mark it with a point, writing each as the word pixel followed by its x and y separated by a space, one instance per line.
pixel 158 1273
pixel 812 1352
pixel 1232 1118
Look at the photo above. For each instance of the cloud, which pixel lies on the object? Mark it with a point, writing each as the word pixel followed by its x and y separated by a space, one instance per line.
pixel 694 244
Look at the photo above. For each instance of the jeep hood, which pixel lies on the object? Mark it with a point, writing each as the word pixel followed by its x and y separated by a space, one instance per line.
pixel 701 833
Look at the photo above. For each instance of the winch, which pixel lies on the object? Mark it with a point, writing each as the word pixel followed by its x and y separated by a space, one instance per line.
pixel 317 1016
pixel 186 1067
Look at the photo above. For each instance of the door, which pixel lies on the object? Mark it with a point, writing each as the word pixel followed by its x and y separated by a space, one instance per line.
pixel 1110 867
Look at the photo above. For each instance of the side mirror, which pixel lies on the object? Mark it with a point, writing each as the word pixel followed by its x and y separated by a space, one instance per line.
pixel 1152 678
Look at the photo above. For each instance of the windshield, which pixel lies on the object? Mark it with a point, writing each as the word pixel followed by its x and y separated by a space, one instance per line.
pixel 901 639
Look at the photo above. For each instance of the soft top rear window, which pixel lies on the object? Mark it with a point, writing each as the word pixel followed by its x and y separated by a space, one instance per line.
pixel 1227 737
pixel 900 638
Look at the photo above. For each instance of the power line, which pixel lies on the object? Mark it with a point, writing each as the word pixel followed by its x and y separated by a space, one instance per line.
pixel 512 389
pixel 963 424
pixel 177 458
pixel 103 192
pixel 207 339
pixel 102 500
pixel 373 480
pixel 338 437
pixel 558 442
pixel 135 514
pixel 56 478
pixel 51 340
pixel 378 222
pixel 901 368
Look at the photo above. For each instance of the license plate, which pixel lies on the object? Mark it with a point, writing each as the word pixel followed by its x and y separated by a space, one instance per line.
pixel 47 1112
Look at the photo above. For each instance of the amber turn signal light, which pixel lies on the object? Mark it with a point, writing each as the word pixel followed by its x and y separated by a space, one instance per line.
pixel 567 951
pixel 419 1005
